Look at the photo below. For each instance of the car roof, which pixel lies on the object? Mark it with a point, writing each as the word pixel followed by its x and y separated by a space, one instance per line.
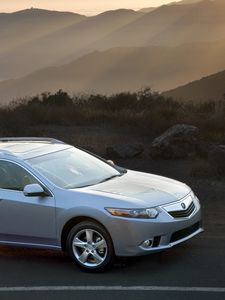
pixel 26 148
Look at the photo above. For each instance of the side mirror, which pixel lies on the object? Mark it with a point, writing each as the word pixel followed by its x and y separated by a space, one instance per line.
pixel 34 190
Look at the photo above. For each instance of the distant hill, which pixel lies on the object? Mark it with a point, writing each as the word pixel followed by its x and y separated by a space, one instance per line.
pixel 208 88
pixel 147 9
pixel 172 25
pixel 56 46
pixel 188 1
pixel 26 25
pixel 150 9
pixel 113 51
pixel 123 69
pixel 34 47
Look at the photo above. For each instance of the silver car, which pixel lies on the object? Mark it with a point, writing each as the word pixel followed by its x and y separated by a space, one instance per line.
pixel 56 196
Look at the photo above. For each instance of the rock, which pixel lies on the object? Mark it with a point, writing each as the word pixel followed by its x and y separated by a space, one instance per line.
pixel 202 149
pixel 124 150
pixel 179 141
pixel 216 157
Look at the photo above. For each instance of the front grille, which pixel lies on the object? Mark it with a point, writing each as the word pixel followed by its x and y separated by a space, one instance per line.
pixel 178 235
pixel 183 213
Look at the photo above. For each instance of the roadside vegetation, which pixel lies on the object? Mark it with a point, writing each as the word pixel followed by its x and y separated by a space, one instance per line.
pixel 147 113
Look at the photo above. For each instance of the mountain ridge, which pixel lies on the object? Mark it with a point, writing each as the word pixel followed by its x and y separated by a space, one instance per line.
pixel 113 51
pixel 211 87
pixel 37 54
pixel 23 26
pixel 120 69
pixel 165 26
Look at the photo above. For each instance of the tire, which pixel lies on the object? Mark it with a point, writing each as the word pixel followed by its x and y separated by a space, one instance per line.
pixel 90 246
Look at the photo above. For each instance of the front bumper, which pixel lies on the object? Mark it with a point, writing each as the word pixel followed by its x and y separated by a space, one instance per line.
pixel 165 231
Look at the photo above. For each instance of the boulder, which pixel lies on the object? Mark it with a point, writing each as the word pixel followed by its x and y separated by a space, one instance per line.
pixel 179 141
pixel 216 157
pixel 124 150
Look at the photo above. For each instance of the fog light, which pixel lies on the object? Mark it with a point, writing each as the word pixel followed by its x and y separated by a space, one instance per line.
pixel 147 243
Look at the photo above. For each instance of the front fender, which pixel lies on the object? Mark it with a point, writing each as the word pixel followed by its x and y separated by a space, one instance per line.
pixel 64 216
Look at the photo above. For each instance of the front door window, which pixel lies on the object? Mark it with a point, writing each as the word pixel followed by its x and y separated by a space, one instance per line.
pixel 14 177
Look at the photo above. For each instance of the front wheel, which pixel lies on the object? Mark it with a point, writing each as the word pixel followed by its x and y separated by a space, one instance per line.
pixel 90 246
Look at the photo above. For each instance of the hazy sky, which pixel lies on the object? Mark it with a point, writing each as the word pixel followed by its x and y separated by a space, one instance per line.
pixel 81 6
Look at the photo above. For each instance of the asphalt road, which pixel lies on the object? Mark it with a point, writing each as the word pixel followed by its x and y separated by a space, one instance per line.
pixel 192 270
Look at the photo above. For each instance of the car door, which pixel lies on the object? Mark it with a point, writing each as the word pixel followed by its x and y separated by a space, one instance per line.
pixel 24 220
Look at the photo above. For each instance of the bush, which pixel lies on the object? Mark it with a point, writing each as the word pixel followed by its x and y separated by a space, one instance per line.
pixel 144 112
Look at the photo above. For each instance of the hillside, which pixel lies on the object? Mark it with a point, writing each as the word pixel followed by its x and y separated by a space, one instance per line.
pixel 188 1
pixel 208 88
pixel 147 9
pixel 172 25
pixel 168 25
pixel 56 46
pixel 150 9
pixel 27 25
pixel 123 69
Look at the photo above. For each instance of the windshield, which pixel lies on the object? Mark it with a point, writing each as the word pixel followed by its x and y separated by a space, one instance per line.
pixel 73 168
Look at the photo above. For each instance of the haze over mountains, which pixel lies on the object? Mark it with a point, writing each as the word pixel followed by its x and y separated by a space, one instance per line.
pixel 181 2
pixel 186 1
pixel 27 25
pixel 147 9
pixel 124 69
pixel 56 47
pixel 117 50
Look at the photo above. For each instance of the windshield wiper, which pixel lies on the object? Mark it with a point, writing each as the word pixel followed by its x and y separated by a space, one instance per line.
pixel 109 178
pixel 104 180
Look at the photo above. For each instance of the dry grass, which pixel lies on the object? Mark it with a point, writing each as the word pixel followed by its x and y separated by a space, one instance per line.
pixel 143 114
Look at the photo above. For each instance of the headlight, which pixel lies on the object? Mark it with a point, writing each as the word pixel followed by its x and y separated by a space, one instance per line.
pixel 149 213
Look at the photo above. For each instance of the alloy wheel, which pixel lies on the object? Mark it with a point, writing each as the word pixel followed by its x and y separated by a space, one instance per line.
pixel 89 248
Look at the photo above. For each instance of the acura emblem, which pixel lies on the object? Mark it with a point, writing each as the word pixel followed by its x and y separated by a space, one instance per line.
pixel 183 205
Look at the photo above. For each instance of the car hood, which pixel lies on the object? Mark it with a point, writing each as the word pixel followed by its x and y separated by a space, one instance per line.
pixel 143 189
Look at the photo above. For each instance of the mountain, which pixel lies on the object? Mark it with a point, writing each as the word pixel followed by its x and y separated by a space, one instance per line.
pixel 147 9
pixel 26 25
pixel 188 1
pixel 172 25
pixel 168 25
pixel 150 9
pixel 113 51
pixel 208 88
pixel 56 47
pixel 123 69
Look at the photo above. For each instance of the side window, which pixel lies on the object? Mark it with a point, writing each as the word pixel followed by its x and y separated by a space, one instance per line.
pixel 14 177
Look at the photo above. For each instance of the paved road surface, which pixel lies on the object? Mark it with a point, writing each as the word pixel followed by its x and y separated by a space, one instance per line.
pixel 197 263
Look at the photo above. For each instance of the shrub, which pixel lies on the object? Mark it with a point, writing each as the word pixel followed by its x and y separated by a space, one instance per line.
pixel 145 112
